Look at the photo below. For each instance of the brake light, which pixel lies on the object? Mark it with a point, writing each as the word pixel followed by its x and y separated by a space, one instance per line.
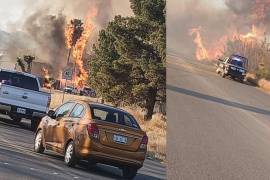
pixel 144 142
pixel 93 130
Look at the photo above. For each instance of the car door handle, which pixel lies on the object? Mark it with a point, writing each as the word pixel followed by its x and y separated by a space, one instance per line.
pixel 24 97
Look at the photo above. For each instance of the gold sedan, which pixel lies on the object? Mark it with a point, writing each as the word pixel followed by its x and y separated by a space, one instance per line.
pixel 95 132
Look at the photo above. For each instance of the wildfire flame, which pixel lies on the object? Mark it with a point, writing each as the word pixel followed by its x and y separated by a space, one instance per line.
pixel 81 75
pixel 206 51
pixel 47 83
pixel 201 52
pixel 252 34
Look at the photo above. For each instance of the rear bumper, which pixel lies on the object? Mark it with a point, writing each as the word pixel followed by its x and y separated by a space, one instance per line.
pixel 113 156
pixel 11 110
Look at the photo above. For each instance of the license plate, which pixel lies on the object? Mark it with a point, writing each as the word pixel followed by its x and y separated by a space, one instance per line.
pixel 21 110
pixel 119 139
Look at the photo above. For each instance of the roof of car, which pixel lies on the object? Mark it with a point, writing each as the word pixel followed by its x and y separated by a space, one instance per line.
pixel 18 72
pixel 237 55
pixel 106 106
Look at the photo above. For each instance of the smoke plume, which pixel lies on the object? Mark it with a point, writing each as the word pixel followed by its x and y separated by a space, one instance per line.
pixel 217 21
pixel 44 26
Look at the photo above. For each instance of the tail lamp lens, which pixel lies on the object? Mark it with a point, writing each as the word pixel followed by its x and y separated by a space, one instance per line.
pixel 93 130
pixel 144 142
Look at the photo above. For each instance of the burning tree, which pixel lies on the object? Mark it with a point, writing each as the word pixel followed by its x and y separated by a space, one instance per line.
pixel 73 32
pixel 128 65
pixel 77 35
pixel 47 79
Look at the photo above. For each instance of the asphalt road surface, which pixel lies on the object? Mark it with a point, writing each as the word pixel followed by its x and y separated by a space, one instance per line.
pixel 18 161
pixel 218 128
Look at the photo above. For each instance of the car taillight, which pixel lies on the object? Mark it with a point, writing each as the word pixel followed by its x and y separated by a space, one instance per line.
pixel 93 130
pixel 144 142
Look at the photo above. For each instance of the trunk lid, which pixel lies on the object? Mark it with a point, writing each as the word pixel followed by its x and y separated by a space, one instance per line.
pixel 119 136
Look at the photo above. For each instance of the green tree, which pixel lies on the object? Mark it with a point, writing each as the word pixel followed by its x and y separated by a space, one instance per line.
pixel 128 65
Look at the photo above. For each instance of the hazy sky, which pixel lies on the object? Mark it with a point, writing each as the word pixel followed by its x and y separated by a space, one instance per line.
pixel 11 11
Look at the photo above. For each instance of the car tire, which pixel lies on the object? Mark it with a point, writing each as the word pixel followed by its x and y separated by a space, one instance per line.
pixel 241 80
pixel 129 172
pixel 16 120
pixel 70 156
pixel 38 144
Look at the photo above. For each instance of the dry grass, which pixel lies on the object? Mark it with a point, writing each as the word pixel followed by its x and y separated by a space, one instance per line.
pixel 261 83
pixel 155 128
pixel 264 84
pixel 57 97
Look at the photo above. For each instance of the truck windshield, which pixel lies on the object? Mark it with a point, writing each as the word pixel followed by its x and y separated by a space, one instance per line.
pixel 19 80
pixel 238 61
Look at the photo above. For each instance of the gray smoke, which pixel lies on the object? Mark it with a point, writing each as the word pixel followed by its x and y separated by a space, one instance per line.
pixel 47 31
pixel 44 25
pixel 215 19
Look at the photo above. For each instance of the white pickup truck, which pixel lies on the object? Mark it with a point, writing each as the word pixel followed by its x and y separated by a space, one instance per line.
pixel 21 97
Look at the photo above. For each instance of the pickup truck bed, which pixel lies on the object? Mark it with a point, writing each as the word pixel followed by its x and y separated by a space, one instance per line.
pixel 20 97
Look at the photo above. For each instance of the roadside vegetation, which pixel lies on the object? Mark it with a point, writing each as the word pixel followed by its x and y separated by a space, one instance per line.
pixel 258 53
pixel 128 66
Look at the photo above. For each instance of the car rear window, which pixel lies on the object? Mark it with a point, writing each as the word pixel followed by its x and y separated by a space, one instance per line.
pixel 114 116
pixel 19 80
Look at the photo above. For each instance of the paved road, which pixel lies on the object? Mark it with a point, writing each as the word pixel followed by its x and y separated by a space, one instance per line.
pixel 18 161
pixel 218 128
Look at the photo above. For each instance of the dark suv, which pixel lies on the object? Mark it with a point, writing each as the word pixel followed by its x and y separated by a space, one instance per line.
pixel 234 66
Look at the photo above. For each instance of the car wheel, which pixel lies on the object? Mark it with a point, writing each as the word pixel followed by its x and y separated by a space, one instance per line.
pixel 38 146
pixel 241 80
pixel 70 157
pixel 129 172
pixel 16 119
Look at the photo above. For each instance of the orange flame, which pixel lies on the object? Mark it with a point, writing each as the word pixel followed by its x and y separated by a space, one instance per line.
pixel 217 48
pixel 252 34
pixel 81 75
pixel 68 34
pixel 201 52
pixel 47 83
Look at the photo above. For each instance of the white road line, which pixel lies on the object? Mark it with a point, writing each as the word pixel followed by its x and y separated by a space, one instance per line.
pixel 55 173
pixel 6 163
pixel 75 177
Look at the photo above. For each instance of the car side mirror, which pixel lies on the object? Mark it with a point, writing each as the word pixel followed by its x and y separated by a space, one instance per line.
pixel 51 114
